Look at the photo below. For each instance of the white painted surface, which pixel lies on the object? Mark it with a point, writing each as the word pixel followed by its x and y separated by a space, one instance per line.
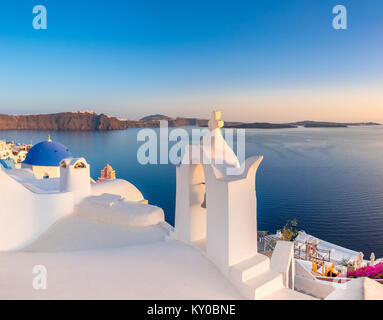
pixel 77 233
pixel 318 289
pixel 75 179
pixel 117 186
pixel 304 268
pixel 263 285
pixel 250 268
pixel 41 171
pixel 25 215
pixel 358 289
pixel 163 270
pixel 282 261
pixel 31 206
pixel 28 180
pixel 113 209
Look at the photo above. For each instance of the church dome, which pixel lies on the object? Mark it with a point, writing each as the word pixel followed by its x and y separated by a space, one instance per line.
pixel 47 153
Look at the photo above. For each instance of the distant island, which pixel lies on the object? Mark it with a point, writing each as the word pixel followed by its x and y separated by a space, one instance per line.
pixel 91 121
pixel 319 124
pixel 260 125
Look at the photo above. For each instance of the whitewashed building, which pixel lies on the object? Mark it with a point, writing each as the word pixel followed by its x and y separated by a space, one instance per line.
pixel 44 159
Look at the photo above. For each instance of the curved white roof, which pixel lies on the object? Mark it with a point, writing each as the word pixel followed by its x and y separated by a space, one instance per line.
pixel 117 186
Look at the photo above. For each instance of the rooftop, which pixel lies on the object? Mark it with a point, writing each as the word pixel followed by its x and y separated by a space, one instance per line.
pixel 77 252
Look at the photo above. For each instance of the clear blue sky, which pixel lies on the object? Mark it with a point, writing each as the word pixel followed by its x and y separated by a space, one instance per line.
pixel 259 60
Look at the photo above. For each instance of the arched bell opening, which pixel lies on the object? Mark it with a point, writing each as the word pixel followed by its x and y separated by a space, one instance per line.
pixel 80 165
pixel 197 205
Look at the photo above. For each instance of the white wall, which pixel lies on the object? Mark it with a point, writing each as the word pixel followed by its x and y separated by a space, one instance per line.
pixel 25 215
pixel 242 220
pixel 217 240
pixel 306 282
pixel 282 261
pixel 241 210
pixel 315 288
pixel 41 171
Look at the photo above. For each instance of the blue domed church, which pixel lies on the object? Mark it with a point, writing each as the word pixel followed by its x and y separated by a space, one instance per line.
pixel 44 159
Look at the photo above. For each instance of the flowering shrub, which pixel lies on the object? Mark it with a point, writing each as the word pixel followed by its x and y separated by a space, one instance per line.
pixel 375 272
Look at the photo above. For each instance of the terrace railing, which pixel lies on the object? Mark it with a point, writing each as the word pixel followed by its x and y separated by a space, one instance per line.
pixel 306 251
pixel 266 242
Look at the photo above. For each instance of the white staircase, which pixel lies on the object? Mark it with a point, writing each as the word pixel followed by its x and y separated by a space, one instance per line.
pixel 255 280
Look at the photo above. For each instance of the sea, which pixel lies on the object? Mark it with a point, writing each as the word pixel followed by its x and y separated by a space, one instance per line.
pixel 329 179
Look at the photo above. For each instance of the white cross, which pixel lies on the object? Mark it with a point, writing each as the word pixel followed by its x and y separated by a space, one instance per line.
pixel 215 122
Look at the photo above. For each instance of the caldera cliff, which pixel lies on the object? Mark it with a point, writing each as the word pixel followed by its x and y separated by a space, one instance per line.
pixel 84 121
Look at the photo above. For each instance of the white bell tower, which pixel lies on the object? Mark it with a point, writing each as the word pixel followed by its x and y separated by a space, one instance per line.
pixel 227 228
pixel 75 177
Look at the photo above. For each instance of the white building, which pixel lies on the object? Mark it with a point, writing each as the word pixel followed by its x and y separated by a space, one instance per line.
pixel 44 159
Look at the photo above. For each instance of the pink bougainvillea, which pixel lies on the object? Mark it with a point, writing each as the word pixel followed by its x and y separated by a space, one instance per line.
pixel 375 272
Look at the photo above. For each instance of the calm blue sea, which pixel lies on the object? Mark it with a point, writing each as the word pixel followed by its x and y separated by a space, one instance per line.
pixel 331 180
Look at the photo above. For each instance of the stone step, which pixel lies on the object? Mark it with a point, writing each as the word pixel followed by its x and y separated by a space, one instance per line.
pixel 288 294
pixel 250 268
pixel 262 285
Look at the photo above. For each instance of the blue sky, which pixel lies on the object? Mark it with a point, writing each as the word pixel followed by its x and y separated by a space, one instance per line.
pixel 259 60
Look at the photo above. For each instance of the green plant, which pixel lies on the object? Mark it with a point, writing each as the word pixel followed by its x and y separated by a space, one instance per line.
pixel 289 232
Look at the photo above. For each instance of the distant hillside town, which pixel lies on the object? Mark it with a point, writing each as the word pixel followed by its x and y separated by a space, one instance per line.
pixel 12 154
